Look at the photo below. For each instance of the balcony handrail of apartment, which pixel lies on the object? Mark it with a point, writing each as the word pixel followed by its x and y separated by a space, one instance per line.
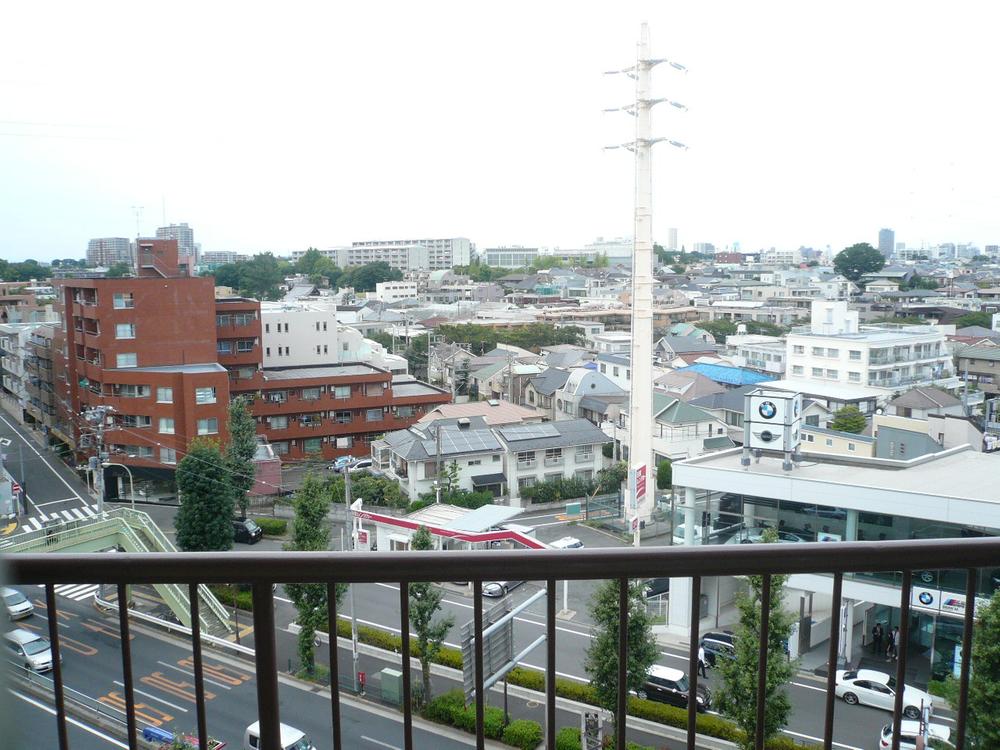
pixel 262 569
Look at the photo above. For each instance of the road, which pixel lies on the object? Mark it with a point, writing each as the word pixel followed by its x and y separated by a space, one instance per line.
pixel 36 728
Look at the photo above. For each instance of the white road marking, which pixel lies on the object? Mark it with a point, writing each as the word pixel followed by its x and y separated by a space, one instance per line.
pixel 33 522
pixel 379 743
pixel 189 673
pixel 79 514
pixel 71 720
pixel 56 502
pixel 67 515
pixel 35 451
pixel 153 697
pixel 820 739
pixel 88 511
pixel 809 687
pixel 77 592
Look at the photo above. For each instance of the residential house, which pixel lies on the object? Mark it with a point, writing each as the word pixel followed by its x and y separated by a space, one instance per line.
pixel 583 382
pixel 980 365
pixel 728 407
pixel 827 441
pixel 668 349
pixel 540 391
pixel 918 403
pixel 686 385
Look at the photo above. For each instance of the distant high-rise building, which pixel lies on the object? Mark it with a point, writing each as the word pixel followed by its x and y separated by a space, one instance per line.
pixel 672 238
pixel 106 251
pixel 442 254
pixel 886 242
pixel 185 239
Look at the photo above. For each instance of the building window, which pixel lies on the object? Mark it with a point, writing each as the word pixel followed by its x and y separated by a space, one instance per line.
pixel 855 355
pixel 245 373
pixel 584 452
pixel 286 331
pixel 223 320
pixel 553 455
pixel 604 368
pixel 324 349
pixel 797 369
pixel 244 319
pixel 832 374
pixel 817 372
pixel 829 442
pixel 224 347
pixel 280 448
pixel 854 377
pixel 123 301
pixel 164 395
pixel 267 329
pixel 373 415
pixel 267 351
pixel 525 482
pixel 324 325
pixel 167 425
pixel 818 351
pixel 850 446
pixel 276 397
pixel 374 389
pixel 342 391
pixel 810 439
pixel 496 457
pixel 798 349
pixel 204 395
pixel 404 412
pixel 614 371
pixel 342 417
pixel 126 360
pixel 244 345
pixel 526 457
pixel 125 330
pixel 833 352
pixel 310 394
pixel 208 426
pixel 586 476
pixel 278 422
pixel 346 346
pixel 168 456
pixel 312 445
pixel 475 462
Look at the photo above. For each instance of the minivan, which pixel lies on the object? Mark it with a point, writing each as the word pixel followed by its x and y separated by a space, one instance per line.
pixel 30 649
pixel 567 542
pixel 16 604
pixel 247 531
pixel 291 738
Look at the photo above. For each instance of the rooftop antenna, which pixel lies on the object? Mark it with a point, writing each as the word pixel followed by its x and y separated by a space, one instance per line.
pixel 137 210
pixel 163 208
pixel 641 396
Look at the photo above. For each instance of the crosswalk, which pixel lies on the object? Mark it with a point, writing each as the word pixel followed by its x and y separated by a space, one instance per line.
pixel 35 523
pixel 76 592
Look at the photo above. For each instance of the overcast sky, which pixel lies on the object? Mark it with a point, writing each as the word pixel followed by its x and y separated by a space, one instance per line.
pixel 285 125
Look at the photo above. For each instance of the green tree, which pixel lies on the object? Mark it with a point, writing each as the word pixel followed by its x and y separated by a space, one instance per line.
pixel 417 357
pixel 543 262
pixel 382 338
pixel 601 661
pixel 310 533
pixel 601 260
pixel 984 686
pixel 664 475
pixel 364 278
pixel 241 450
pixel 855 261
pixel 117 270
pixel 425 603
pixel 849 419
pixel 677 268
pixel 205 519
pixel 737 698
pixel 974 319
pixel 313 262
pixel 261 276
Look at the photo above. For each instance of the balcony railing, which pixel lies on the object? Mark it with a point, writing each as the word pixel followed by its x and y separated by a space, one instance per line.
pixel 263 569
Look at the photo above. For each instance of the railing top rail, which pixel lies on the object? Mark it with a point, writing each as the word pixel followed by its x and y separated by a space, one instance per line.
pixel 363 567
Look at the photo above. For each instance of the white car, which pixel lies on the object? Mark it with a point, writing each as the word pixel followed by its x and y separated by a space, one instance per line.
pixel 291 738
pixel 364 464
pixel 16 604
pixel 878 689
pixel 679 534
pixel 31 650
pixel 755 534
pixel 567 542
pixel 497 589
pixel 908 730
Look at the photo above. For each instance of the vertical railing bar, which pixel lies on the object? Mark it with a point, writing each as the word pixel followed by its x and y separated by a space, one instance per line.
pixel 622 711
pixel 199 674
pixel 331 628
pixel 765 633
pixel 693 650
pixel 123 631
pixel 831 664
pixel 477 600
pixel 904 634
pixel 57 682
pixel 266 666
pixel 963 680
pixel 404 633
pixel 550 665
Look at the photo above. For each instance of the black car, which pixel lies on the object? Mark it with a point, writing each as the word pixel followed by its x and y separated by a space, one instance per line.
pixel 718 645
pixel 245 530
pixel 656 586
pixel 668 685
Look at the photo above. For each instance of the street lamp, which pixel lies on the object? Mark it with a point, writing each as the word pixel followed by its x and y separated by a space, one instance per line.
pixel 131 484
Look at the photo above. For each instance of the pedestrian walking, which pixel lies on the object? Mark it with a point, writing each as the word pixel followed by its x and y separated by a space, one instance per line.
pixel 895 642
pixel 890 648
pixel 877 634
pixel 701 662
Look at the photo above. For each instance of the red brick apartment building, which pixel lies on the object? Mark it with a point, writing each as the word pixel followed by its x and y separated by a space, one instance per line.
pixel 166 356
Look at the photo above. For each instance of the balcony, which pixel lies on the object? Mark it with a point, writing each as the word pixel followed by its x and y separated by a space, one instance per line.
pixel 264 569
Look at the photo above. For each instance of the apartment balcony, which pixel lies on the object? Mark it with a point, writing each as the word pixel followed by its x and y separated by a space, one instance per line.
pixel 557 461
pixel 526 465
pixel 264 569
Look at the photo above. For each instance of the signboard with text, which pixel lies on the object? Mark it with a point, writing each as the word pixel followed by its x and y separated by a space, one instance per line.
pixel 638 484
pixel 944 602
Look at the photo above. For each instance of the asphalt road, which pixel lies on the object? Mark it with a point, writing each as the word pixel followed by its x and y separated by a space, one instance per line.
pixel 36 728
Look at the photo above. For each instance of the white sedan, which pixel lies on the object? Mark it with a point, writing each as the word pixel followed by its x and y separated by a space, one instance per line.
pixel 878 689
pixel 755 535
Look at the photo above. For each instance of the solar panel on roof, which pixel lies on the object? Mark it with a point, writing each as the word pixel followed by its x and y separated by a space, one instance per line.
pixel 530 431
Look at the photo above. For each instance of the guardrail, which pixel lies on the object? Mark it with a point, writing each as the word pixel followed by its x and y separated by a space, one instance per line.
pixel 263 569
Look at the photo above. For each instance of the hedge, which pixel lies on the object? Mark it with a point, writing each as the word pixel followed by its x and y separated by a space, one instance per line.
pixel 523 734
pixel 272 526
pixel 225 592
pixel 449 708
pixel 568 738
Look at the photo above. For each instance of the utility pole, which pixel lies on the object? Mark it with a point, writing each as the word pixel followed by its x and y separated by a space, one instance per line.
pixel 641 500
pixel 437 461
pixel 97 416
pixel 349 524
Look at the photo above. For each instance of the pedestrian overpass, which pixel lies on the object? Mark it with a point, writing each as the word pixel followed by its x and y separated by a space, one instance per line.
pixel 131 531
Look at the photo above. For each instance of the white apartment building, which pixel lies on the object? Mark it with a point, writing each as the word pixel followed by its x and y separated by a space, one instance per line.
pixel 106 251
pixel 762 353
pixel 307 334
pixel 612 342
pixel 441 253
pixel 394 291
pixel 510 257
pixel 834 348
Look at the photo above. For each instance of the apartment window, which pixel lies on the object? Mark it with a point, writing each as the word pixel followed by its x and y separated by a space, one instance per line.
pixel 833 352
pixel 317 325
pixel 167 425
pixel 584 452
pixel 164 395
pixel 129 391
pixel 342 391
pixel 374 389
pixel 125 330
pixel 204 395
pixel 310 394
pixel 586 476
pixel 168 456
pixel 810 438
pixel 267 351
pixel 496 457
pixel 267 329
pixel 373 415
pixel 829 442
pixel 818 351
pixel 278 422
pixel 525 457
pixel 244 345
pixel 312 445
pixel 854 377
pixel 324 325
pixel 346 346
pixel 797 369
pixel 223 320
pixel 604 368
pixel 280 448
pixel 553 454
pixel 342 417
pixel 245 373
pixel 317 348
pixel 126 360
pixel 324 349
pixel 850 446
pixel 817 372
pixel 614 371
pixel 813 420
pixel 525 482
pixel 287 351
pixel 123 301
pixel 832 374
pixel 798 349
pixel 224 347
pixel 208 426
pixel 855 355
pixel 404 412
pixel 244 319
pixel 286 331
pixel 475 462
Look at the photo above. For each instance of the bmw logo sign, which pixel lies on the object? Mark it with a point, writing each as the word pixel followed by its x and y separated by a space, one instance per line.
pixel 926 598
pixel 767 409
pixel 767 436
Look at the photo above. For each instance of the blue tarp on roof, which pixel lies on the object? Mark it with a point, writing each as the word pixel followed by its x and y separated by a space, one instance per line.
pixel 727 375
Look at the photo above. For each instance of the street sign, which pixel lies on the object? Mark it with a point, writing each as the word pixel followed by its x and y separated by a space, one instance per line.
pixel 498 646
pixel 639 482
pixel 635 523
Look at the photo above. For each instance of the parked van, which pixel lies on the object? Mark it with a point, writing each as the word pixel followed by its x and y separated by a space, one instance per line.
pixel 291 738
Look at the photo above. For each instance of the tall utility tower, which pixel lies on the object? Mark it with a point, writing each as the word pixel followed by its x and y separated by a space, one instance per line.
pixel 641 482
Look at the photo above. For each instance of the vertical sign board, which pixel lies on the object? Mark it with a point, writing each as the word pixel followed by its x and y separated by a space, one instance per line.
pixel 638 485
pixel 498 647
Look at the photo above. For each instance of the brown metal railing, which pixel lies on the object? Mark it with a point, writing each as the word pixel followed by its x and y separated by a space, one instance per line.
pixel 265 568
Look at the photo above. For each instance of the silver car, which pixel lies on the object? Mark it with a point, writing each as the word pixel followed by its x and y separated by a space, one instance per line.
pixel 496 589
pixel 17 604
pixel 29 649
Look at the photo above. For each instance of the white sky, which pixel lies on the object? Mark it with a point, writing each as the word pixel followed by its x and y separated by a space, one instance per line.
pixel 283 125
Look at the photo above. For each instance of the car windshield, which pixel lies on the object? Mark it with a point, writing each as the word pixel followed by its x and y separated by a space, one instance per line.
pixel 14 597
pixel 35 647
pixel 302 744
pixel 682 684
pixel 251 525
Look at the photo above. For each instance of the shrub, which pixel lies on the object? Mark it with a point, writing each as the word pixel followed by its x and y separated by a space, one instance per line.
pixel 443 707
pixel 946 688
pixel 554 490
pixel 272 526
pixel 568 738
pixel 231 596
pixel 449 708
pixel 523 734
pixel 533 679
